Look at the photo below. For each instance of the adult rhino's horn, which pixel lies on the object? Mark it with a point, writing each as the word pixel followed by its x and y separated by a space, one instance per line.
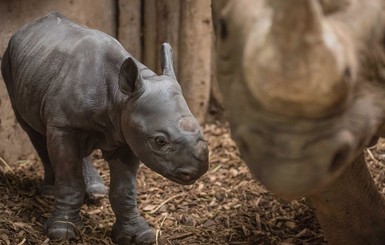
pixel 297 68
pixel 298 16
pixel 166 60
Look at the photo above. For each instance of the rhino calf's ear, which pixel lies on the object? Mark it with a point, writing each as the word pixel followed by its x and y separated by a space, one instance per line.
pixel 130 79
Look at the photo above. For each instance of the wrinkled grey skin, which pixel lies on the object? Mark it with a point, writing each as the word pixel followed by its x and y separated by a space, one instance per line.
pixel 74 90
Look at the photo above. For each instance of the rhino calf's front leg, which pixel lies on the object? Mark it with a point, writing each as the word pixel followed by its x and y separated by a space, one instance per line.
pixel 129 227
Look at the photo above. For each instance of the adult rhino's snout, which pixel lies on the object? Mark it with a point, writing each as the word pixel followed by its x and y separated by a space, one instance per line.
pixel 300 164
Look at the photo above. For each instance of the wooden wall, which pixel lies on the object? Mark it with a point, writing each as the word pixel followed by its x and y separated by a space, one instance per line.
pixel 141 26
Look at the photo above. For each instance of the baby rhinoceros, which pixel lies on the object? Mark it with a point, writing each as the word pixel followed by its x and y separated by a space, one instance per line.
pixel 75 89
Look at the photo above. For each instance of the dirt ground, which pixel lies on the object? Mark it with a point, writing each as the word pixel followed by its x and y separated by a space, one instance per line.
pixel 226 206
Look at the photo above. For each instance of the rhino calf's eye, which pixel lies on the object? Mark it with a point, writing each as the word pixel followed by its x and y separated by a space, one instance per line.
pixel 160 140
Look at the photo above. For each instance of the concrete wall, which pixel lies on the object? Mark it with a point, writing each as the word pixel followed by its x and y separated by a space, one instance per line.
pixel 98 14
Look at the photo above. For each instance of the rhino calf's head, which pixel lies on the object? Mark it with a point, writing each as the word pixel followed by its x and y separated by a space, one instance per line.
pixel 158 125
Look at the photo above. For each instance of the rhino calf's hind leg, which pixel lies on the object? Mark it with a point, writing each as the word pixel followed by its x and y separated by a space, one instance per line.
pixel 39 142
pixel 94 183
pixel 129 227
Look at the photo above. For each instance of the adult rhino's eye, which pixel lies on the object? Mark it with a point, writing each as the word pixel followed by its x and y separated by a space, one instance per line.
pixel 160 140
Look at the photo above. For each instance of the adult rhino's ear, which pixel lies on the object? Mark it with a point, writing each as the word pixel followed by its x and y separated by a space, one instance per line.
pixel 130 79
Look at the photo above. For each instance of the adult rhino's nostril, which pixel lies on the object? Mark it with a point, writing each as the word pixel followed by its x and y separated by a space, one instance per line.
pixel 339 159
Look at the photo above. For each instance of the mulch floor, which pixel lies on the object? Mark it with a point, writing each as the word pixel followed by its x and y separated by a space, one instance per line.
pixel 226 206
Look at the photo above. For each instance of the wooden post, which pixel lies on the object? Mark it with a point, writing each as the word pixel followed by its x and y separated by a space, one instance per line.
pixel 150 33
pixel 195 55
pixel 129 26
pixel 168 21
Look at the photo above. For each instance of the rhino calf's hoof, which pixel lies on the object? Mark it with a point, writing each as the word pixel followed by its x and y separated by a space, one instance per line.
pixel 61 230
pixel 96 189
pixel 146 238
pixel 141 234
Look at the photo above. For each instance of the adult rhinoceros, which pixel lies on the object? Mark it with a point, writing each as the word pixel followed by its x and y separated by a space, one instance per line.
pixel 305 86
